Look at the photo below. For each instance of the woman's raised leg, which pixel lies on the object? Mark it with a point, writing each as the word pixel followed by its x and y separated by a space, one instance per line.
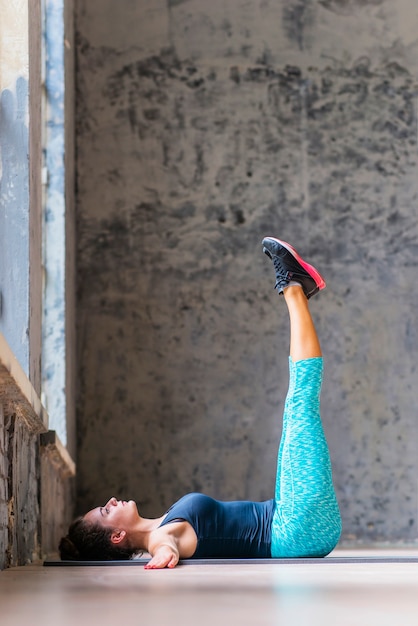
pixel 307 519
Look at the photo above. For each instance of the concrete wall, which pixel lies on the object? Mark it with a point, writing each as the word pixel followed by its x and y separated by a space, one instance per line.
pixel 203 127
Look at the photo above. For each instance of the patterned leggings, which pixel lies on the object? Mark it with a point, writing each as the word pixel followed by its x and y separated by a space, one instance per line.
pixel 306 521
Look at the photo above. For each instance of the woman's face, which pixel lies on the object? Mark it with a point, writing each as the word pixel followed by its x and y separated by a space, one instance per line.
pixel 115 514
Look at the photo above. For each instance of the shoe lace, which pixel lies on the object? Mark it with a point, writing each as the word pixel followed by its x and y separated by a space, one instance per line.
pixel 282 275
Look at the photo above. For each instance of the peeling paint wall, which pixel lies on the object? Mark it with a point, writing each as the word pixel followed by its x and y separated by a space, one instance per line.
pixel 203 127
pixel 24 480
pixel 20 187
pixel 20 268
pixel 14 218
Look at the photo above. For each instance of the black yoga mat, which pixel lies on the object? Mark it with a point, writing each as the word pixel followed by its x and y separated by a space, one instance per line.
pixel 325 561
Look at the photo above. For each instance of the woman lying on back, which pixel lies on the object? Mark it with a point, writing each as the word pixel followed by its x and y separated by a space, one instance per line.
pixel 302 520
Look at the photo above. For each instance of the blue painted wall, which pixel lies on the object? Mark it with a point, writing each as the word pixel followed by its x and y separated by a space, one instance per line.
pixel 14 220
pixel 54 348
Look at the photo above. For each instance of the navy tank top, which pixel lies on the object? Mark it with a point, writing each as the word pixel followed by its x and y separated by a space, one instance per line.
pixel 239 529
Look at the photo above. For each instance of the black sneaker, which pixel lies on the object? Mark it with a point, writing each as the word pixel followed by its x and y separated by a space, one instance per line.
pixel 290 266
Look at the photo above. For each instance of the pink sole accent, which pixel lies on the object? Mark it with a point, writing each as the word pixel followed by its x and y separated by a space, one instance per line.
pixel 313 273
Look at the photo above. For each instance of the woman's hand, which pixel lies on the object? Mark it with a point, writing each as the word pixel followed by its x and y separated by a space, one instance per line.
pixel 167 543
pixel 165 555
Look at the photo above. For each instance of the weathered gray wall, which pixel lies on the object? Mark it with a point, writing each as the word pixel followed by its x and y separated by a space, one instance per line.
pixel 57 492
pixel 36 471
pixel 203 127
pixel 21 420
pixel 20 503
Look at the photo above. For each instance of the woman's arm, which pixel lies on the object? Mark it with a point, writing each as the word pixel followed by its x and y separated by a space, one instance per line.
pixel 164 554
pixel 170 543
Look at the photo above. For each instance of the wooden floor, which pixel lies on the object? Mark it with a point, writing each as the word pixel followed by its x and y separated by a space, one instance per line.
pixel 339 594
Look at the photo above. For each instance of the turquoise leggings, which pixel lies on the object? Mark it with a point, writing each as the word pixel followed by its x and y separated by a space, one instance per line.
pixel 306 521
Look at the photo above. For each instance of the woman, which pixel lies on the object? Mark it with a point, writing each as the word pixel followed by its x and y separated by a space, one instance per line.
pixel 303 519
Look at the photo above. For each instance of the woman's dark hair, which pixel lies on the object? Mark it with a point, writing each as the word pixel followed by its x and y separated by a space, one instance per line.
pixel 90 542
